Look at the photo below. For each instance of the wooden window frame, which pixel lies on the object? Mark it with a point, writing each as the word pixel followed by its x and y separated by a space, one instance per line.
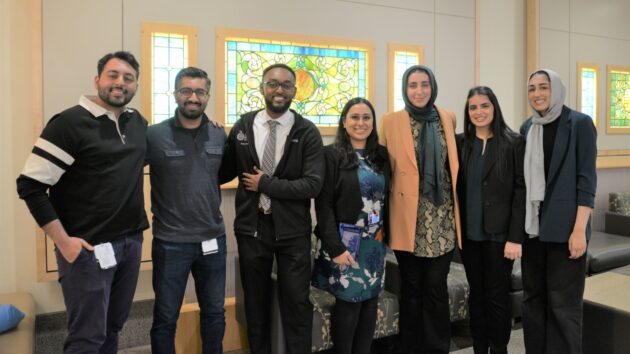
pixel 223 34
pixel 392 49
pixel 595 67
pixel 146 58
pixel 609 70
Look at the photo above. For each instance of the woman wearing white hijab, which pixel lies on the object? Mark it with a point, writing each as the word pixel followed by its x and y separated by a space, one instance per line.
pixel 561 179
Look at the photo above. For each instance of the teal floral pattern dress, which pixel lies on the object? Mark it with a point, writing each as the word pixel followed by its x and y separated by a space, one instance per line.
pixel 364 279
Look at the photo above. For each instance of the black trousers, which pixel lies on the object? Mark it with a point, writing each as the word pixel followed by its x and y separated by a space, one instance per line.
pixel 553 289
pixel 488 274
pixel 425 322
pixel 293 259
pixel 352 326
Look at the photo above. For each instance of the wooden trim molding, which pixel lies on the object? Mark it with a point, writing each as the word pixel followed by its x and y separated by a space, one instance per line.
pixel 223 34
pixel 533 35
pixel 613 159
pixel 533 38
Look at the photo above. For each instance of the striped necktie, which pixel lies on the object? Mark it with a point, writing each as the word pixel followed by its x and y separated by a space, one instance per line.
pixel 269 163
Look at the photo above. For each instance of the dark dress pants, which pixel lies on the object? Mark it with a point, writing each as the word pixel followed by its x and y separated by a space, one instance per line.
pixel 352 326
pixel 425 322
pixel 98 300
pixel 553 289
pixel 293 257
pixel 489 274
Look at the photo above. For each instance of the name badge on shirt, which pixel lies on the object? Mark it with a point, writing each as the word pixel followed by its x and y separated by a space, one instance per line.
pixel 210 247
pixel 373 218
pixel 105 256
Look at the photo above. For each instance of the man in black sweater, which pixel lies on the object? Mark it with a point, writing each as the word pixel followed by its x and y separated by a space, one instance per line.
pixel 89 158
pixel 277 155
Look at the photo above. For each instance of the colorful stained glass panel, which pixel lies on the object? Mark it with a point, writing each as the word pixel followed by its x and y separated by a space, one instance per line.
pixel 589 92
pixel 402 61
pixel 619 99
pixel 326 77
pixel 170 55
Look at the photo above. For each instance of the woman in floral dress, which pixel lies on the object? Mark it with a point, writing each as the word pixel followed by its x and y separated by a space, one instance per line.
pixel 352 204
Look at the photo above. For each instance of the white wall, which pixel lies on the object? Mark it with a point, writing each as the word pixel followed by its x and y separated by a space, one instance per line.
pixel 503 56
pixel 582 30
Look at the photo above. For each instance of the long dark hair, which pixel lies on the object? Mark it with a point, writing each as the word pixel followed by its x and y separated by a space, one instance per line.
pixel 501 132
pixel 348 159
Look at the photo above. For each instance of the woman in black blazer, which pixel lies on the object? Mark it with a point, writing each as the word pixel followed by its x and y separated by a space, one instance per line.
pixel 561 179
pixel 353 201
pixel 491 190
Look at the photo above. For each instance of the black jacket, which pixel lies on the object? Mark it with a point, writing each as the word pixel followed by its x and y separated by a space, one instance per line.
pixel 297 178
pixel 503 200
pixel 340 200
pixel 572 178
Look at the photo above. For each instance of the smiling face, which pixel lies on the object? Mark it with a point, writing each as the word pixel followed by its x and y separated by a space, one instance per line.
pixel 539 93
pixel 481 111
pixel 277 98
pixel 419 89
pixel 192 106
pixel 116 85
pixel 359 123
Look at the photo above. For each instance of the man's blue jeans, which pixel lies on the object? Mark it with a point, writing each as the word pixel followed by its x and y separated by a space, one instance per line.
pixel 172 262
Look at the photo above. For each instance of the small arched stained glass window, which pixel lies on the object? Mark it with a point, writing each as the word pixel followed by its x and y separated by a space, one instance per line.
pixel 170 55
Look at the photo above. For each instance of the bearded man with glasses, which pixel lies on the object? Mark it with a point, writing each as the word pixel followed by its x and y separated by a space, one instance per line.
pixel 277 155
pixel 184 153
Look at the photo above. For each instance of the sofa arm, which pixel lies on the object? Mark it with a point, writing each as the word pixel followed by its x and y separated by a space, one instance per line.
pixel 617 224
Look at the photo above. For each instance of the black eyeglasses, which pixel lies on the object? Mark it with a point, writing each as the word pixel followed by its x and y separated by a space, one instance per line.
pixel 287 85
pixel 187 92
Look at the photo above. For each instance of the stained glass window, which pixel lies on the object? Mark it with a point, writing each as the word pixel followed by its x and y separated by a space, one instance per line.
pixel 403 60
pixel 619 99
pixel 327 76
pixel 170 55
pixel 588 91
pixel 165 50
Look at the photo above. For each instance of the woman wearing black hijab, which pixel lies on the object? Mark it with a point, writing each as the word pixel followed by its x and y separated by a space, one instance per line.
pixel 424 212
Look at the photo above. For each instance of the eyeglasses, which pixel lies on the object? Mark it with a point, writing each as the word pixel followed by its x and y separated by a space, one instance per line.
pixel 187 92
pixel 287 85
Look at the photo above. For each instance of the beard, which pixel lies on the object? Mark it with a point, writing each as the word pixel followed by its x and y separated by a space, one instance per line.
pixel 104 93
pixel 277 109
pixel 188 114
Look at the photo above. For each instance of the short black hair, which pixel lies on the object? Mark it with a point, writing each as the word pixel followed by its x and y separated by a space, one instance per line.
pixel 122 55
pixel 192 72
pixel 279 65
